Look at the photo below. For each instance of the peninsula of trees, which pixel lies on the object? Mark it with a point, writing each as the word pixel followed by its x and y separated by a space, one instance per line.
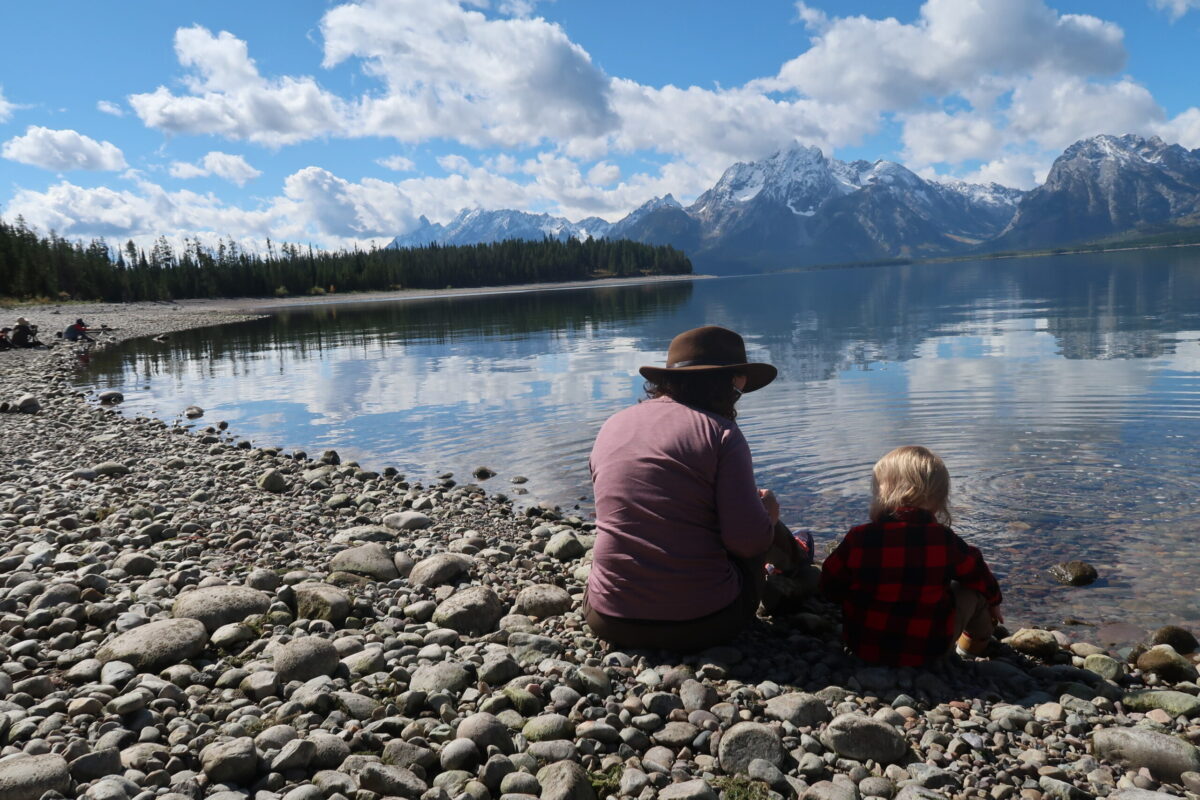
pixel 35 266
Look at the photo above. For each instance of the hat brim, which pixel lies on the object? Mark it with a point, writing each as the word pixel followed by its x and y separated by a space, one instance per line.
pixel 757 375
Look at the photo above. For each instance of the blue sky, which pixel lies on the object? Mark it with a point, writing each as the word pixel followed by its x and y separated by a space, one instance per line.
pixel 343 122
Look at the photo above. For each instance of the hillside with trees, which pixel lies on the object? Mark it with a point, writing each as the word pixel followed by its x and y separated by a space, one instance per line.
pixel 35 266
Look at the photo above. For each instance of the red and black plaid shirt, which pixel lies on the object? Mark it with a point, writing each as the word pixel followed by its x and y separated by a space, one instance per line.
pixel 893 577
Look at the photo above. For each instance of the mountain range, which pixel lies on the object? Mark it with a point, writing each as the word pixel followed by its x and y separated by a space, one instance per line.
pixel 797 207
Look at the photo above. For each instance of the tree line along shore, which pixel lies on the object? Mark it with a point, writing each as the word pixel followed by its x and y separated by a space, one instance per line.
pixel 51 267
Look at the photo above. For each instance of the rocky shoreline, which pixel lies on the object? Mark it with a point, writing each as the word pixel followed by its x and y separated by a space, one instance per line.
pixel 185 616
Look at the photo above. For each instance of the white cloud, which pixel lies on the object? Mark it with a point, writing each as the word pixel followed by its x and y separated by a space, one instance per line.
pixel 886 65
pixel 332 206
pixel 1054 111
pixel 604 173
pixel 454 73
pixel 6 108
pixel 232 168
pixel 1177 8
pixel 62 150
pixel 454 163
pixel 110 108
pixel 231 99
pixel 397 163
pixel 936 136
pixel 1184 129
pixel 1018 170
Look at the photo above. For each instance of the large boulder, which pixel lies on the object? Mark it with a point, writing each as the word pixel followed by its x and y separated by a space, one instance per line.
pixel 1174 703
pixel 235 761
pixel 1074 573
pixel 485 730
pixel 542 600
pixel 445 676
pixel 858 737
pixel 373 560
pixel 391 781
pixel 800 709
pixel 156 645
pixel 439 569
pixel 1167 757
pixel 29 777
pixel 305 658
pixel 565 780
pixel 322 601
pixel 220 605
pixel 407 521
pixel 474 611
pixel 1163 661
pixel 1034 642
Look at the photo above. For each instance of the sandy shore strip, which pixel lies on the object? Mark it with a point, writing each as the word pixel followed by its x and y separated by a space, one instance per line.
pixel 184 616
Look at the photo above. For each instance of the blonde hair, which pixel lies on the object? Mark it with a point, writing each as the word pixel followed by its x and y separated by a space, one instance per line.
pixel 910 476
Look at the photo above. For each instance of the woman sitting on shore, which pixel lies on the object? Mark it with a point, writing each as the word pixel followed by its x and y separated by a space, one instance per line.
pixel 683 533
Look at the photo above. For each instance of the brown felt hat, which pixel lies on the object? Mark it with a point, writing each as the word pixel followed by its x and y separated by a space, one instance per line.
pixel 708 349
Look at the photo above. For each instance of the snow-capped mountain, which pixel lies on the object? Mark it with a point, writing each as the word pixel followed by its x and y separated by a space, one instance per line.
pixel 1106 185
pixel 476 225
pixel 798 207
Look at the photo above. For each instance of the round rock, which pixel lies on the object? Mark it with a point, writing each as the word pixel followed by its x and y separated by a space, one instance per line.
pixel 801 709
pixel 473 611
pixel 220 605
pixel 305 658
pixel 485 730
pixel 372 560
pixel 1167 757
pixel 322 601
pixel 157 644
pixel 858 737
pixel 29 777
pixel 542 600
pixel 439 569
pixel 747 741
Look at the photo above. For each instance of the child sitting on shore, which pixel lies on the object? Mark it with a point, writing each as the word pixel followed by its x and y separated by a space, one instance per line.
pixel 907 584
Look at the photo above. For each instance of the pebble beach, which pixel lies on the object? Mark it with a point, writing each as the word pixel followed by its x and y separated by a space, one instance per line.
pixel 187 615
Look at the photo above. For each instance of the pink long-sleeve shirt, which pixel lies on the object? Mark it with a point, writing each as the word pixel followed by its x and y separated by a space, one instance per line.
pixel 675 500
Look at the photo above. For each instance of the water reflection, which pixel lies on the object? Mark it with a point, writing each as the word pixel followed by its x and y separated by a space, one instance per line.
pixel 1062 393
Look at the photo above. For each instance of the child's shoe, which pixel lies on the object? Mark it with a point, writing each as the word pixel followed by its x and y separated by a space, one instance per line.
pixel 977 648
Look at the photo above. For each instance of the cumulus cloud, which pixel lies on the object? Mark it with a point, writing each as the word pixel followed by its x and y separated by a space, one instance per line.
pixel 62 150
pixel 452 72
pixel 884 64
pixel 232 168
pixel 230 98
pixel 109 107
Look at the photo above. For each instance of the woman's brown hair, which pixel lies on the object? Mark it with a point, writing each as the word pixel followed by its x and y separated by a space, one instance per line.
pixel 711 391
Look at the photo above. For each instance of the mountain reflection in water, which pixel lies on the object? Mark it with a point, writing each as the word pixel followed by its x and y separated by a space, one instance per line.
pixel 1062 392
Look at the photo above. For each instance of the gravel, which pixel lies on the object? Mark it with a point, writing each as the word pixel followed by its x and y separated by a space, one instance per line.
pixel 174 624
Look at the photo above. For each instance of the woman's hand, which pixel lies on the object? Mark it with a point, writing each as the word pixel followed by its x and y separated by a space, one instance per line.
pixel 997 614
pixel 770 503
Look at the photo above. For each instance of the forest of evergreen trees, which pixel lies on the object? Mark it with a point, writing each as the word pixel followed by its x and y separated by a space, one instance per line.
pixel 34 266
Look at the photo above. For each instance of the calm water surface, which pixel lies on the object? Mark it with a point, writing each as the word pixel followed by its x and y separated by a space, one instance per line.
pixel 1063 393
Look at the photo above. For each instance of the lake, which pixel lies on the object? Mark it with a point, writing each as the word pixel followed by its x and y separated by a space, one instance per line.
pixel 1063 393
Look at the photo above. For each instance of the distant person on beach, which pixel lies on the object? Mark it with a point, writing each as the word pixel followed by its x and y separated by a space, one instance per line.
pixel 24 334
pixel 683 533
pixel 908 585
pixel 77 332
pixel 5 342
